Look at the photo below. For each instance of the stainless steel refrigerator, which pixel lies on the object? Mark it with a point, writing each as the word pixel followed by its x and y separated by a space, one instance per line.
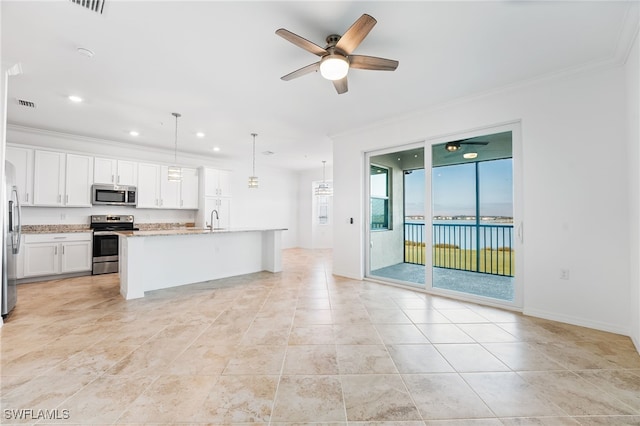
pixel 11 241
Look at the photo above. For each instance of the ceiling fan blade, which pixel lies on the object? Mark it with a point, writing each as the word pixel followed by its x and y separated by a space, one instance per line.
pixel 301 42
pixel 341 85
pixel 372 63
pixel 302 71
pixel 355 34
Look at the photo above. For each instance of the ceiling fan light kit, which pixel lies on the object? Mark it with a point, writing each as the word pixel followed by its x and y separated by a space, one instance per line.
pixel 336 58
pixel 334 67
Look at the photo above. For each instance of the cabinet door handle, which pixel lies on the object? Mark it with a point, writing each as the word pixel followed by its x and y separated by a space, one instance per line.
pixel 59 238
pixel 59 198
pixel 62 249
pixel 157 202
pixel 66 199
pixel 55 251
pixel 118 179
pixel 26 197
pixel 112 178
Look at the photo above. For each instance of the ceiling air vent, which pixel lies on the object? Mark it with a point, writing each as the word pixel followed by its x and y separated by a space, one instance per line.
pixel 27 104
pixel 93 5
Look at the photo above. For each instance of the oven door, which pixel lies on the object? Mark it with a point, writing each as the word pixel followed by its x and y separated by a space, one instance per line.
pixel 105 247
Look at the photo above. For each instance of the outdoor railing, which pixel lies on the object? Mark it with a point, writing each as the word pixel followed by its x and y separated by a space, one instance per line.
pixel 467 247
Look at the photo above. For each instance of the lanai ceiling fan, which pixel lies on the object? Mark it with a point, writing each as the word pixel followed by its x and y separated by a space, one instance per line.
pixel 454 146
pixel 336 58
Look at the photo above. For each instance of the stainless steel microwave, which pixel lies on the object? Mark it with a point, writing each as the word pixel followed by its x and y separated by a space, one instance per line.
pixel 114 195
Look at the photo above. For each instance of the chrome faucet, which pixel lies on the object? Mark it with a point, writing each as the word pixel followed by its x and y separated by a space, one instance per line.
pixel 217 218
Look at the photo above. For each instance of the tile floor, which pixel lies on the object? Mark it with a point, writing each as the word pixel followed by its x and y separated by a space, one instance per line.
pixel 302 346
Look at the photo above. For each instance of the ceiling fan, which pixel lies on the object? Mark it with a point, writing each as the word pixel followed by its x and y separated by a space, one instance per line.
pixel 336 58
pixel 454 146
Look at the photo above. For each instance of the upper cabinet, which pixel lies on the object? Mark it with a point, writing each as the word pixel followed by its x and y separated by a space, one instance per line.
pixel 62 179
pixel 189 189
pixel 22 160
pixel 118 172
pixel 79 173
pixel 217 183
pixel 148 185
pixel 169 190
pixel 156 191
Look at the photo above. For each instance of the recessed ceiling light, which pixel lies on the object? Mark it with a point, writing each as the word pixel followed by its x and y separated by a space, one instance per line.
pixel 216 148
pixel 85 52
pixel 470 155
pixel 200 135
pixel 134 133
pixel 74 98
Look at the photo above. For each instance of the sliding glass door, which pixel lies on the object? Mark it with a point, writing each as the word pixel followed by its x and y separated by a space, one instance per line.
pixel 453 227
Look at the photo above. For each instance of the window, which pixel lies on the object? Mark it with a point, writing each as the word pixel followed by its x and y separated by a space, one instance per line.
pixel 323 209
pixel 380 215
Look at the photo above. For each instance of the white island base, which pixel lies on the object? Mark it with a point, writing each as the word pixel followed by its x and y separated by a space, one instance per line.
pixel 153 260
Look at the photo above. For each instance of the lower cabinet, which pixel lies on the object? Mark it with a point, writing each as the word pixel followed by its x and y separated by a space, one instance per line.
pixel 52 254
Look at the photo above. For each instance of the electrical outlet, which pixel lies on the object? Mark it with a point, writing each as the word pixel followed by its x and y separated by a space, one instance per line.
pixel 564 274
pixel 63 216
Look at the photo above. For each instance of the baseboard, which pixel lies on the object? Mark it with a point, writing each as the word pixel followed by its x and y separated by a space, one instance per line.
pixel 52 277
pixel 346 275
pixel 582 322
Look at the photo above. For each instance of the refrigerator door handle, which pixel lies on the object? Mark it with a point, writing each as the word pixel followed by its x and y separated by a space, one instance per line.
pixel 16 247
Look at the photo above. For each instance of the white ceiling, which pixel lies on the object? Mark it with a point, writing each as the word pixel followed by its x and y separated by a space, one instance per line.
pixel 219 64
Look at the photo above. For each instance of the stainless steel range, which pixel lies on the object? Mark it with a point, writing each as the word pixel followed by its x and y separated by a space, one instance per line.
pixel 105 241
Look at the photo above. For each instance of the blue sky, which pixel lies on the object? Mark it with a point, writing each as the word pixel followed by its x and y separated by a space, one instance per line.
pixel 454 189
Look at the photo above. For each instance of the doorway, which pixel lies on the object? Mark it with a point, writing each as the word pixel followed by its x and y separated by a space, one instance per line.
pixel 452 227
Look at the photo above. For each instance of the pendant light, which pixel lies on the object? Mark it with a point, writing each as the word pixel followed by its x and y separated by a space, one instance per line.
pixel 324 188
pixel 253 179
pixel 175 171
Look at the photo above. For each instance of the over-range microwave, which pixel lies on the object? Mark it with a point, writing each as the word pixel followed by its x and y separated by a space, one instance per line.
pixel 113 195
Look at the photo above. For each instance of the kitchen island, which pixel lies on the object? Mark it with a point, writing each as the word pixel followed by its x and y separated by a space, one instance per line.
pixel 153 260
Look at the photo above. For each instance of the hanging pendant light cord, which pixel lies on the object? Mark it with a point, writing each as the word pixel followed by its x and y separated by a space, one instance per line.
pixel 175 152
pixel 254 153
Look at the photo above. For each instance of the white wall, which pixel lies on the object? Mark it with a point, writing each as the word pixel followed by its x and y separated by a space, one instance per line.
pixel 633 114
pixel 273 204
pixel 575 189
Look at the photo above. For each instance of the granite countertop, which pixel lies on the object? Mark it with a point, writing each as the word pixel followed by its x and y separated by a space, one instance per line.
pixel 192 231
pixel 61 229
pixel 54 229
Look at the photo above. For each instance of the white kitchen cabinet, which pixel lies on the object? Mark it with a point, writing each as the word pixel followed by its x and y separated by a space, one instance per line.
pixel 189 189
pixel 52 254
pixel 76 256
pixel 48 178
pixel 148 185
pixel 169 190
pixel 41 259
pixel 223 207
pixel 156 191
pixel 79 173
pixel 22 160
pixel 62 179
pixel 217 183
pixel 118 172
